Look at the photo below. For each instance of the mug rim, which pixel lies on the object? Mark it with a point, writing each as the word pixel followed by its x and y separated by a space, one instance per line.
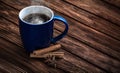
pixel 36 6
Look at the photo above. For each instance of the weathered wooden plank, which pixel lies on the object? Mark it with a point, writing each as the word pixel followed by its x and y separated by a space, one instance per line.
pixel 36 63
pixel 83 65
pixel 10 32
pixel 4 27
pixel 6 24
pixel 99 8
pixel 97 36
pixel 18 57
pixel 8 12
pixel 5 65
pixel 107 38
pixel 17 3
pixel 15 39
pixel 77 60
pixel 114 2
pixel 117 33
pixel 88 19
pixel 58 63
pixel 7 37
pixel 92 56
pixel 15 59
pixel 64 67
pixel 100 58
pixel 82 33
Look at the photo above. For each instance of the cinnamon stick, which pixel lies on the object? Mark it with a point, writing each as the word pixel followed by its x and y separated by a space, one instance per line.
pixel 47 55
pixel 46 50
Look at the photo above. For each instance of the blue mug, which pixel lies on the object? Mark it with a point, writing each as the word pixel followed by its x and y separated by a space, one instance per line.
pixel 37 36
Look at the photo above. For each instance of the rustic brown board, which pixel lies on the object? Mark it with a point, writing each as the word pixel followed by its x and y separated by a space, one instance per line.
pixel 20 51
pixel 98 39
pixel 114 2
pixel 87 49
pixel 9 35
pixel 87 27
pixel 93 41
pixel 98 7
pixel 88 19
pixel 84 65
pixel 21 60
pixel 98 36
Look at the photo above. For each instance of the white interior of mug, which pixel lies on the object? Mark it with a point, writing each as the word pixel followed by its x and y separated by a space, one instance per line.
pixel 36 9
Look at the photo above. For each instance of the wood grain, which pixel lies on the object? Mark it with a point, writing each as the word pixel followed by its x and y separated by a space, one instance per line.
pixel 114 2
pixel 33 62
pixel 18 57
pixel 84 50
pixel 82 33
pixel 84 17
pixel 88 19
pixel 91 45
pixel 91 41
pixel 98 7
pixel 58 63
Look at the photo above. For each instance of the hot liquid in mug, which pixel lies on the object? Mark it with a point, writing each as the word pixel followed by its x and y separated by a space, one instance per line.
pixel 36 27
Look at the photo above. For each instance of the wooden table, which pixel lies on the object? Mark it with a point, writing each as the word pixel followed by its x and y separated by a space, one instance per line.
pixel 92 44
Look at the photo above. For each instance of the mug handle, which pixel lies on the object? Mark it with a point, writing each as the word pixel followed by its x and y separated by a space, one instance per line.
pixel 59 18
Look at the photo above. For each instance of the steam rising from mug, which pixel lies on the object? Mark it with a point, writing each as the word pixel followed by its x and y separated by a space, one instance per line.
pixel 38 2
pixel 37 18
